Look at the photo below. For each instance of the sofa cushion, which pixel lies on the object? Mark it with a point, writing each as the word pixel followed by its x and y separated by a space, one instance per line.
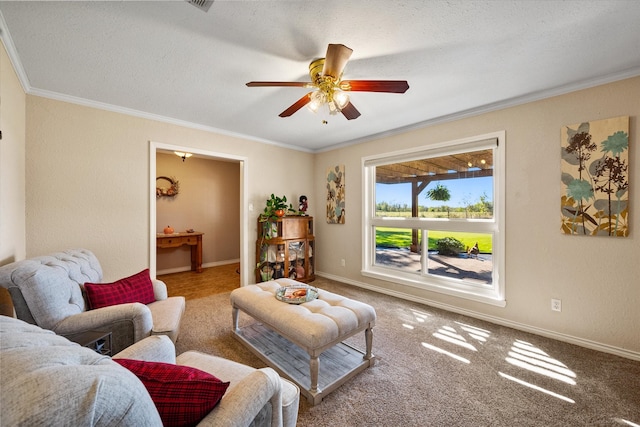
pixel 183 395
pixel 136 288
pixel 167 315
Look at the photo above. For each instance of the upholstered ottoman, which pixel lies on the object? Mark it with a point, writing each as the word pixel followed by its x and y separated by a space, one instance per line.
pixel 294 338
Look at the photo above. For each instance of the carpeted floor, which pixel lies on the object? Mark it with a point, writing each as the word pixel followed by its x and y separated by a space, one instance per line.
pixel 439 368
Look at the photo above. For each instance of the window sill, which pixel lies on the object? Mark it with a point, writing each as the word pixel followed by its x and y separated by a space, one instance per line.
pixel 484 295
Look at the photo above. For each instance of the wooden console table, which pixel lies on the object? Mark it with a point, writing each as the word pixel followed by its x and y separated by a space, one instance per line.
pixel 178 239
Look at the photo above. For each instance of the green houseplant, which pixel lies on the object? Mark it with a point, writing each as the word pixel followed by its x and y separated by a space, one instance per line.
pixel 276 207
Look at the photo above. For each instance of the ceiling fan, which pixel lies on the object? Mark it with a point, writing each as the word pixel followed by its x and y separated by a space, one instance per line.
pixel 330 89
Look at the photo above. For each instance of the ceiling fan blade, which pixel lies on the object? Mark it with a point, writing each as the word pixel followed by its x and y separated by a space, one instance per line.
pixel 335 60
pixel 350 112
pixel 296 106
pixel 393 86
pixel 294 84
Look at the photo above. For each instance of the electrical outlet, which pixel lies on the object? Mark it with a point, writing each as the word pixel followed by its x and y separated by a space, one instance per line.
pixel 556 305
pixel 343 262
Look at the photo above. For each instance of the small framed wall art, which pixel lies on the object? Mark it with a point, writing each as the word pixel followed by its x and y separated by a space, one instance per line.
pixel 335 195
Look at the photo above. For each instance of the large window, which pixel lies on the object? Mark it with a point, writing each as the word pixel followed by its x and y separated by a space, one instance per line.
pixel 434 218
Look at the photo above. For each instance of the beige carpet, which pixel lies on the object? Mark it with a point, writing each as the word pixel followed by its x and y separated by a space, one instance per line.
pixel 442 369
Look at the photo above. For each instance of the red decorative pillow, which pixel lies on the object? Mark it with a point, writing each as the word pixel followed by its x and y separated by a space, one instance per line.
pixel 182 395
pixel 136 288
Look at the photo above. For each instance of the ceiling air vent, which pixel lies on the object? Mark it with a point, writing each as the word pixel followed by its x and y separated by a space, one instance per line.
pixel 203 5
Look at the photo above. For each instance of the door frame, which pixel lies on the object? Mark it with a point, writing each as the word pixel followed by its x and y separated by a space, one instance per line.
pixel 245 266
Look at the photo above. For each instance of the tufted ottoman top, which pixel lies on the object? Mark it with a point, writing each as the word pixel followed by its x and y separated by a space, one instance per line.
pixel 313 325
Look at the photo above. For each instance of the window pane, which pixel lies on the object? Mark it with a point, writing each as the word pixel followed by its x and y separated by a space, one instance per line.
pixel 458 255
pixel 452 186
pixel 398 248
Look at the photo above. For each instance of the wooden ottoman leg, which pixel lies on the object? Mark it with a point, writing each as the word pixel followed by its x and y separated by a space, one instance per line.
pixel 235 314
pixel 368 337
pixel 314 367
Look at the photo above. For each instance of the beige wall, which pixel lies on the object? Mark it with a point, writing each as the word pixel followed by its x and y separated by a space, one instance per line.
pixel 208 201
pixel 12 181
pixel 88 179
pixel 597 278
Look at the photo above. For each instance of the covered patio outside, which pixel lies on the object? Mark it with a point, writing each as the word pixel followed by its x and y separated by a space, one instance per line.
pixel 421 172
pixel 464 267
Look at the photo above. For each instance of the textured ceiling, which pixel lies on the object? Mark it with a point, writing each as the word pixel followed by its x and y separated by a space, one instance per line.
pixel 171 61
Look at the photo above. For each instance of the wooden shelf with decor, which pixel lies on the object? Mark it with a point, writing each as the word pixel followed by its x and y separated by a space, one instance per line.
pixel 285 248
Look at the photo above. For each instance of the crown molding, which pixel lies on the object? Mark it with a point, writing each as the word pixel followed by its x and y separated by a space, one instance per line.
pixel 495 106
pixel 10 47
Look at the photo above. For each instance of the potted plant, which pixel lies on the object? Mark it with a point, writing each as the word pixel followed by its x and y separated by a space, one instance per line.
pixel 276 208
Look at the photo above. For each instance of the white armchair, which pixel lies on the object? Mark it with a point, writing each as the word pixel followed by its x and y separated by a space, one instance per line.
pixel 48 291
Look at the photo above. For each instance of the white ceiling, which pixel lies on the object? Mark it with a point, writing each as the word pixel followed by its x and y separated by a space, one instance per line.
pixel 171 61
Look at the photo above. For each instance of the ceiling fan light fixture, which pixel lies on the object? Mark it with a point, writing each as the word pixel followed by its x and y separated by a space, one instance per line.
pixel 317 100
pixel 333 108
pixel 340 98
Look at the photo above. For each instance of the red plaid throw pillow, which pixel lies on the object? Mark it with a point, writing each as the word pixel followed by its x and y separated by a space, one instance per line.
pixel 182 395
pixel 136 288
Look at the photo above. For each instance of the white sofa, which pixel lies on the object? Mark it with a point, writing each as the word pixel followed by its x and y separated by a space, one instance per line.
pixel 48 291
pixel 47 380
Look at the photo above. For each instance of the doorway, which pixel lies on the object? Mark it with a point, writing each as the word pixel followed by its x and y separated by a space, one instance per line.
pixel 154 149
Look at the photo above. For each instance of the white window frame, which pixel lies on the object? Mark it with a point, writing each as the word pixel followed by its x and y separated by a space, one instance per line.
pixel 493 293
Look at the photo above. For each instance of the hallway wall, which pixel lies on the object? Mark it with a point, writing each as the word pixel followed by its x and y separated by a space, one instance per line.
pixel 208 201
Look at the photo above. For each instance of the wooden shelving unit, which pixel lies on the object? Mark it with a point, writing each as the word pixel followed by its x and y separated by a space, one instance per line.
pixel 286 248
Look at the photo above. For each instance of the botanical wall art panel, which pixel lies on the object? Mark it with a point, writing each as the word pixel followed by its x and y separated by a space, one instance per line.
pixel 595 178
pixel 335 195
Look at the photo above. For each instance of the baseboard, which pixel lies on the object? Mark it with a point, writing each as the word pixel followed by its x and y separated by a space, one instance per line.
pixel 204 265
pixel 593 345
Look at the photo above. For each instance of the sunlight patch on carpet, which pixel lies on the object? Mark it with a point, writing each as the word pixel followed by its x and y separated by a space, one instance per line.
pixel 477 334
pixel 531 358
pixel 535 387
pixel 626 422
pixel 449 334
pixel 445 352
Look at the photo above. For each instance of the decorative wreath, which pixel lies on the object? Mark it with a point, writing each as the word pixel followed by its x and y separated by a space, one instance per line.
pixel 172 191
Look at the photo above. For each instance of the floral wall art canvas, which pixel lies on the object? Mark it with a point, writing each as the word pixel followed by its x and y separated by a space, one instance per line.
pixel 595 178
pixel 335 195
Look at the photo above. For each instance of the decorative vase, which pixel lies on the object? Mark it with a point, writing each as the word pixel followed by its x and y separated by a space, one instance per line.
pixel 279 213
pixel 168 229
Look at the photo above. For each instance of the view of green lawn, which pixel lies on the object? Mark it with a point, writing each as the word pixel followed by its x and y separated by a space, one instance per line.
pixel 401 238
pixel 452 213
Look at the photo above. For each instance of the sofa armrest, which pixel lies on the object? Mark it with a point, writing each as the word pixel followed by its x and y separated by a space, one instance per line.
pixel 103 318
pixel 156 348
pixel 244 399
pixel 159 289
